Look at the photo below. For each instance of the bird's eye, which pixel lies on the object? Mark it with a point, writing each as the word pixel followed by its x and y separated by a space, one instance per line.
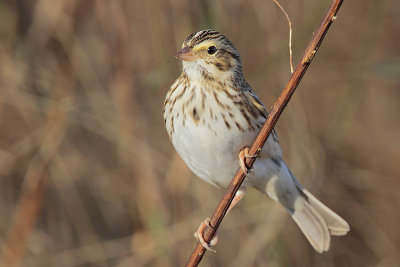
pixel 211 50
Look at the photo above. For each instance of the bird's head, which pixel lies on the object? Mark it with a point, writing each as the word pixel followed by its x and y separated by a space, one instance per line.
pixel 209 54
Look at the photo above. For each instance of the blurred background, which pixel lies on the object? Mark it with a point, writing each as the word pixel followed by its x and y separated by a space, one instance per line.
pixel 88 176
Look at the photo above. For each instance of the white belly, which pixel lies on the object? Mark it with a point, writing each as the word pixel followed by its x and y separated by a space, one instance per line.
pixel 210 154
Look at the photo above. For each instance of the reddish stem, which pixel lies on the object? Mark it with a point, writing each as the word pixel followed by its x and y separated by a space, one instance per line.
pixel 269 124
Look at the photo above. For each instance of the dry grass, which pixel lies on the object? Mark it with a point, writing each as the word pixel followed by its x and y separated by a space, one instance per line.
pixel 89 177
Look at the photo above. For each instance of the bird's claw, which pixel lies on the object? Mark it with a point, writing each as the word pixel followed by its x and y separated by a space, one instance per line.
pixel 243 154
pixel 199 235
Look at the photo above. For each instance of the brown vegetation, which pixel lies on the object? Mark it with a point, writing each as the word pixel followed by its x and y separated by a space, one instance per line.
pixel 89 177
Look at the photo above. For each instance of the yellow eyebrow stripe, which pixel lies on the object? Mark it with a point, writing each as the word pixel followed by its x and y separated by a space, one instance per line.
pixel 204 45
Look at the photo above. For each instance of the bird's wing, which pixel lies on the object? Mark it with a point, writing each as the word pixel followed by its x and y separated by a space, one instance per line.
pixel 256 103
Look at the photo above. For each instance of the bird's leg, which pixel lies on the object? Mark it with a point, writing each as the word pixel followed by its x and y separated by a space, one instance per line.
pixel 199 233
pixel 243 154
pixel 238 196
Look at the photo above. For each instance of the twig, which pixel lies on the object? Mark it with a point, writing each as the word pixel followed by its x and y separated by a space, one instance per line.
pixel 25 217
pixel 290 34
pixel 269 124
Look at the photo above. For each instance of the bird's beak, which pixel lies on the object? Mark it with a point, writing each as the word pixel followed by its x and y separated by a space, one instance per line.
pixel 186 54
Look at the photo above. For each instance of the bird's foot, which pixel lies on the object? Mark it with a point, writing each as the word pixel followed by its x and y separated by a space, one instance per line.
pixel 243 154
pixel 199 235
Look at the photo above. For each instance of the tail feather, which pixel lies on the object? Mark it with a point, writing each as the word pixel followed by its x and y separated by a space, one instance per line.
pixel 336 224
pixel 318 222
pixel 313 226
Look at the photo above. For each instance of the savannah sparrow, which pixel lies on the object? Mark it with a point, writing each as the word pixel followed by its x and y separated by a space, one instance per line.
pixel 212 116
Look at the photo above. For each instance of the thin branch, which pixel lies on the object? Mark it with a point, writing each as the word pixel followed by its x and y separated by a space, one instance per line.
pixel 269 124
pixel 290 34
